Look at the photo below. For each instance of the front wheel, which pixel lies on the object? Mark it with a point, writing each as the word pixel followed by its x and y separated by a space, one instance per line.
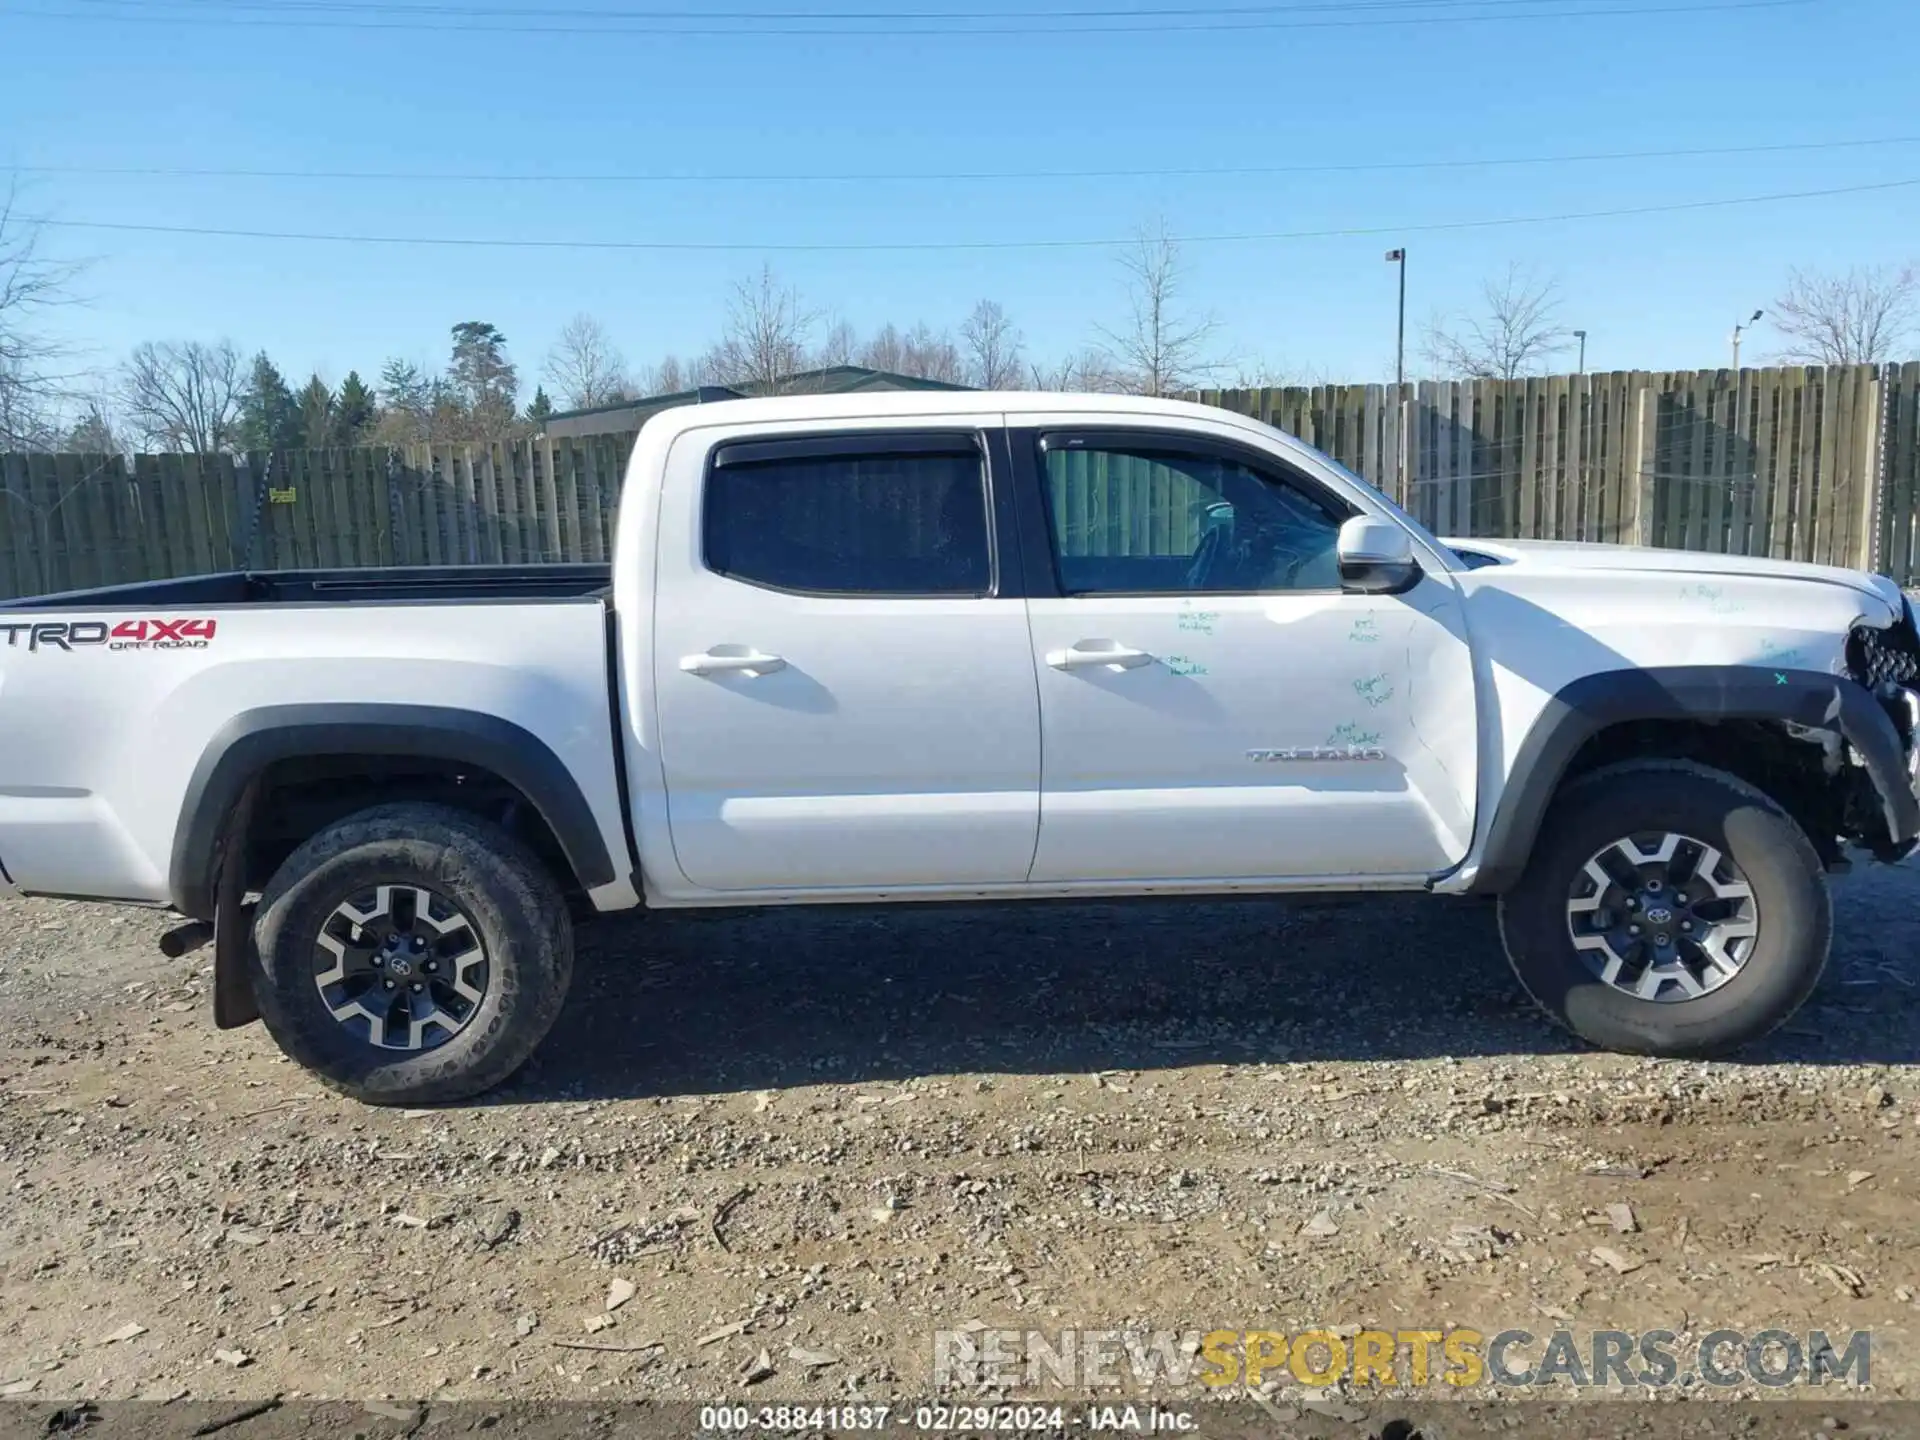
pixel 1668 909
pixel 411 954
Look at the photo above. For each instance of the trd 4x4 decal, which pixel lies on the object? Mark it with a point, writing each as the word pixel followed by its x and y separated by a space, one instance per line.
pixel 123 635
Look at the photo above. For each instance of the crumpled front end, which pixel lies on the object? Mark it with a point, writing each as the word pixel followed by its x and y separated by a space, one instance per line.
pixel 1885 661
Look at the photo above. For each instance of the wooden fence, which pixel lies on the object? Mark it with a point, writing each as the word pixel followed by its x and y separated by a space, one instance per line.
pixel 1798 463
pixel 73 521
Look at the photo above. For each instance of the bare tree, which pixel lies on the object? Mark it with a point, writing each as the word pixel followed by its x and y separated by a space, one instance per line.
pixel 993 347
pixel 93 432
pixel 1861 317
pixel 30 284
pixel 182 395
pixel 669 377
pixel 930 354
pixel 1517 334
pixel 1162 349
pixel 1258 372
pixel 766 335
pixel 585 366
pixel 1091 370
pixel 840 346
pixel 885 349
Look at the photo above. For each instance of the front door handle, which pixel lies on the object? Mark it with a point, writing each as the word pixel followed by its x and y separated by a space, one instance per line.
pixel 734 660
pixel 1086 654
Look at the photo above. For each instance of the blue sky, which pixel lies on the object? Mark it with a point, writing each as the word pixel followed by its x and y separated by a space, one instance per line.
pixel 198 85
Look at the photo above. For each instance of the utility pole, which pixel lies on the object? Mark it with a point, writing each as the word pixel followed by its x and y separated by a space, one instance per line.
pixel 1581 336
pixel 1399 257
pixel 1736 338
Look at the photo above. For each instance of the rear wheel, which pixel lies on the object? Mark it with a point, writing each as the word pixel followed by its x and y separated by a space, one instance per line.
pixel 1669 909
pixel 412 954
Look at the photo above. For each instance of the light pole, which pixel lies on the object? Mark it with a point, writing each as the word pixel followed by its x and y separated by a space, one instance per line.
pixel 1737 331
pixel 1581 336
pixel 1399 257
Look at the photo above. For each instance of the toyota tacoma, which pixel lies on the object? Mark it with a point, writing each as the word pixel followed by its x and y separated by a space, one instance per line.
pixel 961 646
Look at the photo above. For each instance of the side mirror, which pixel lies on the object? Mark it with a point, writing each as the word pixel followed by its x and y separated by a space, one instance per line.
pixel 1376 556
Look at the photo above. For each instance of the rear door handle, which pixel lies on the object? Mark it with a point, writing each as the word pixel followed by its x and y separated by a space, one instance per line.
pixel 1087 654
pixel 732 659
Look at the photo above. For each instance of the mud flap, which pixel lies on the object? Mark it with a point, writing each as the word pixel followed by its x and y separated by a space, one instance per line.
pixel 233 958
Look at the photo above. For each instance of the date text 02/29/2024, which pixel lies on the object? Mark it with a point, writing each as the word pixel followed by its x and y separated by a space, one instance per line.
pixel 941 1419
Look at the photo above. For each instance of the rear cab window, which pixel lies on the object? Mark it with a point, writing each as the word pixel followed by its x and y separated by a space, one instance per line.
pixel 877 514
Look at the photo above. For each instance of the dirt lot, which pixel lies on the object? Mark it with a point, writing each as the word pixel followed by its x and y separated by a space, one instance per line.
pixel 808 1140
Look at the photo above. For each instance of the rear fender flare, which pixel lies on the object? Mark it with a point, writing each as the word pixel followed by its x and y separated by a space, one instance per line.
pixel 254 739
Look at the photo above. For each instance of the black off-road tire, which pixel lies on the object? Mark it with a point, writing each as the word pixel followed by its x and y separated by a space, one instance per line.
pixel 1789 885
pixel 516 911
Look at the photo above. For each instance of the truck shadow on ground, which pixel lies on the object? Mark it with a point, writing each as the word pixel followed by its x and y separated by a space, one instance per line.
pixel 768 999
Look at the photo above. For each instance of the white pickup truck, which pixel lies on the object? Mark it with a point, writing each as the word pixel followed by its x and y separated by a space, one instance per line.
pixel 943 646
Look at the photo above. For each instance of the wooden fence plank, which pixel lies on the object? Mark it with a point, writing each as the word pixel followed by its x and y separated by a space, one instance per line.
pixel 548 501
pixel 1423 471
pixel 1762 428
pixel 350 502
pixel 1601 436
pixel 99 501
pixel 1786 440
pixel 567 496
pixel 368 479
pixel 67 521
pixel 198 475
pixel 1866 450
pixel 1836 496
pixel 1465 462
pixel 1642 496
pixel 19 572
pixel 485 469
pixel 1703 484
pixel 1371 407
pixel 1554 399
pixel 175 479
pixel 150 560
pixel 346 527
pixel 593 501
pixel 428 542
pixel 1807 478
pixel 1903 474
pixel 1669 466
pixel 1719 462
pixel 301 532
pixel 43 484
pixel 527 461
pixel 500 459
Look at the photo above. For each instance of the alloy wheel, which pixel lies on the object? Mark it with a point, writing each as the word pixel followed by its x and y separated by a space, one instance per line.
pixel 1662 916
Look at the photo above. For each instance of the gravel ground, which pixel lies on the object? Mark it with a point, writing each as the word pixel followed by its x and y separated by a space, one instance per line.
pixel 809 1139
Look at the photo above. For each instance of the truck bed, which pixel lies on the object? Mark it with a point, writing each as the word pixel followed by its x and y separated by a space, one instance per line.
pixel 118 704
pixel 456 583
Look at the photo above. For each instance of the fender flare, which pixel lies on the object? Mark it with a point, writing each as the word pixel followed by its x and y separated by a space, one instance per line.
pixel 1593 703
pixel 255 739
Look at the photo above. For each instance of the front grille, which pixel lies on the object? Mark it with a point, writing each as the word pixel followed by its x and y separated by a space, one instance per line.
pixel 1885 657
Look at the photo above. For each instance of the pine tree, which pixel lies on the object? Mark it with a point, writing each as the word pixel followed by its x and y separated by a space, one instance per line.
pixel 409 398
pixel 541 409
pixel 269 415
pixel 353 411
pixel 483 379
pixel 316 414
